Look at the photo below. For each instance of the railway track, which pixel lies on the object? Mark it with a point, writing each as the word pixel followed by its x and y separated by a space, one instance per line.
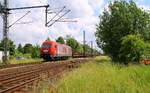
pixel 2 66
pixel 15 78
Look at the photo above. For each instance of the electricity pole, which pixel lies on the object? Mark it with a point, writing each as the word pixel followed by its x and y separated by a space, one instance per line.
pixel 83 43
pixel 5 12
pixel 91 48
pixel 5 30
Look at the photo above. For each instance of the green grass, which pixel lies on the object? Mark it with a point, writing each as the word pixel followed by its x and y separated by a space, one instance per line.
pixel 14 61
pixel 97 77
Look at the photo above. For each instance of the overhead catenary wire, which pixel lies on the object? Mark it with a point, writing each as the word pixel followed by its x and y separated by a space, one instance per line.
pixel 19 19
pixel 65 20
pixel 59 18
pixel 6 11
pixel 56 14
pixel 25 22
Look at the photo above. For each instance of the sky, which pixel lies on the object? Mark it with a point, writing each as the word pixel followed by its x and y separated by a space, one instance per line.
pixel 85 12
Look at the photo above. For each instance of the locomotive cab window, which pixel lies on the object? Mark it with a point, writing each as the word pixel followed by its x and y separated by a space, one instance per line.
pixel 46 46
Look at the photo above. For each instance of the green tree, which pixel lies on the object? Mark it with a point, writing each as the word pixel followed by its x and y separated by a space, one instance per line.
pixel 121 19
pixel 20 48
pixel 80 48
pixel 36 52
pixel 133 48
pixel 60 40
pixel 147 51
pixel 28 48
pixel 48 39
pixel 72 43
pixel 11 46
pixel 87 49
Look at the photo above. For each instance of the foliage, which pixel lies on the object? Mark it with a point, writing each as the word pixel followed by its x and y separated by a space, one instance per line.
pixel 133 48
pixel 80 48
pixel 48 39
pixel 121 19
pixel 104 78
pixel 28 48
pixel 60 40
pixel 20 48
pixel 147 51
pixel 18 53
pixel 11 46
pixel 87 49
pixel 36 52
pixel 74 44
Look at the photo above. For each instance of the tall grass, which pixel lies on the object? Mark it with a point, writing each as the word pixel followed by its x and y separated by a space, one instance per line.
pixel 106 78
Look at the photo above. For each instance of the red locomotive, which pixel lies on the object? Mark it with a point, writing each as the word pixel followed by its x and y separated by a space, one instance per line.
pixel 52 50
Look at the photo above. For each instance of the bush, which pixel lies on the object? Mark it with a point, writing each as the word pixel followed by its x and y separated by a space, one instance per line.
pixel 36 52
pixel 147 52
pixel 132 48
pixel 122 18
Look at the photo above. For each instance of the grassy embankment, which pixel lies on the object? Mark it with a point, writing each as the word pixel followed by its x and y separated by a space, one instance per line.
pixel 24 58
pixel 15 61
pixel 30 60
pixel 97 77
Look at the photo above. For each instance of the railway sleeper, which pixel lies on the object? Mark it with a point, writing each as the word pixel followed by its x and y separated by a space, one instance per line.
pixel 17 75
pixel 19 79
pixel 16 70
pixel 13 88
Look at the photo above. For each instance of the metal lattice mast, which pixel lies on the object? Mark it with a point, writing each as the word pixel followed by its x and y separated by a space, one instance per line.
pixel 91 48
pixel 5 30
pixel 4 10
pixel 84 43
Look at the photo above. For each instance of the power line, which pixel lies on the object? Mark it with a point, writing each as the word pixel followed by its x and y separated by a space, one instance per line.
pixel 65 20
pixel 59 18
pixel 56 14
pixel 5 11
pixel 19 19
pixel 25 22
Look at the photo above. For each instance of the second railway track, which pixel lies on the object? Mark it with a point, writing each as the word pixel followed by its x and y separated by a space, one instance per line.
pixel 14 78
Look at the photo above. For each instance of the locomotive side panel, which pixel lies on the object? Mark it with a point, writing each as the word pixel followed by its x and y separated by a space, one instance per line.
pixel 52 50
pixel 63 50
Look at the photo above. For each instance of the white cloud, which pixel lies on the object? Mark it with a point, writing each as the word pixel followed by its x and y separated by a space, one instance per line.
pixel 144 7
pixel 141 4
pixel 81 10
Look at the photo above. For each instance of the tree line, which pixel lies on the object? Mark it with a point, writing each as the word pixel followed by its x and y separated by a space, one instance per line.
pixel 123 32
pixel 28 50
pixel 33 51
pixel 76 46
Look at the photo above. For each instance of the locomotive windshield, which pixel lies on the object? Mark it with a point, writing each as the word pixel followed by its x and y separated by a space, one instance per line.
pixel 46 46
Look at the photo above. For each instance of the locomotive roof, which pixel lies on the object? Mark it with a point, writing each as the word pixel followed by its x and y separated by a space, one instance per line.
pixel 54 42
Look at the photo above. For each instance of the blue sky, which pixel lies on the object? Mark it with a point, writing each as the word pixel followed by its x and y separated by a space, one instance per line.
pixel 86 12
